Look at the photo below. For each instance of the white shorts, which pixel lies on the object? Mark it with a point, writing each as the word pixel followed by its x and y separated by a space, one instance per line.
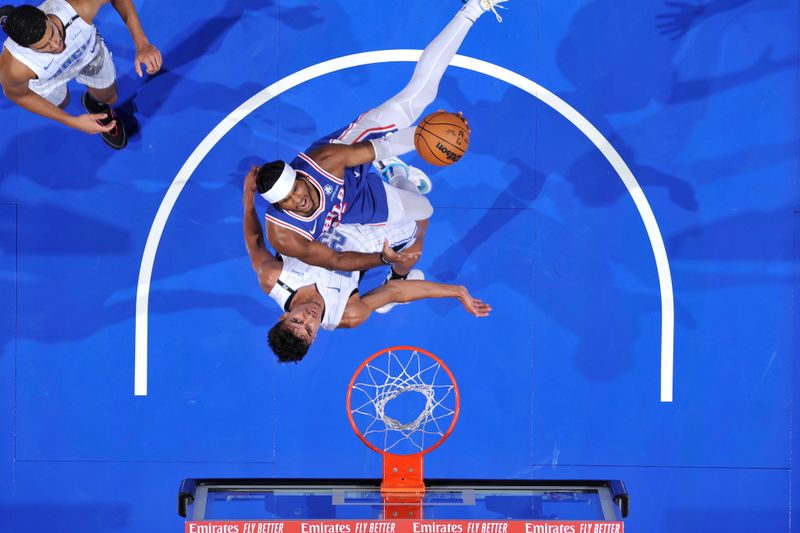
pixel 369 239
pixel 406 206
pixel 99 73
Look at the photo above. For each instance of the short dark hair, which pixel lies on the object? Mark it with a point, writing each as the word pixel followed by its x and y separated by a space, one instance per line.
pixel 286 345
pixel 23 24
pixel 268 174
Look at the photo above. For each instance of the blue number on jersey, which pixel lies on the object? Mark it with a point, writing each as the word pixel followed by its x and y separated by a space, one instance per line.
pixel 335 241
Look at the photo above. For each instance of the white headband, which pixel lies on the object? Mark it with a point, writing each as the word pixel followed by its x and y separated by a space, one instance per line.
pixel 282 187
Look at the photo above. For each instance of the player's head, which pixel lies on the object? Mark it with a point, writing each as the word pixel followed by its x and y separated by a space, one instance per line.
pixel 275 181
pixel 294 333
pixel 29 26
pixel 279 184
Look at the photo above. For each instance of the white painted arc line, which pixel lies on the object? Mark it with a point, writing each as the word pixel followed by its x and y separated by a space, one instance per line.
pixel 389 56
pixel 634 189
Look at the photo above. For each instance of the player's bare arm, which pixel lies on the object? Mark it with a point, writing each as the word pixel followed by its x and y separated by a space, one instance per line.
pixel 334 158
pixel 14 77
pixel 266 267
pixel 359 309
pixel 314 253
pixel 146 54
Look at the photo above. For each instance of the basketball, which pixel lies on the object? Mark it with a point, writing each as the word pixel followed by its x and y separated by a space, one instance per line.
pixel 441 138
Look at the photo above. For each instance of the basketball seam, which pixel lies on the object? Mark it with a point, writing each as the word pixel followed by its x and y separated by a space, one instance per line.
pixel 443 140
pixel 434 155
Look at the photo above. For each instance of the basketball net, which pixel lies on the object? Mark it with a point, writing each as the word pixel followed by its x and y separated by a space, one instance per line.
pixel 380 381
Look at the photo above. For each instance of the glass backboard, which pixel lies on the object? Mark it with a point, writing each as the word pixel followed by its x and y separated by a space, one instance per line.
pixel 360 499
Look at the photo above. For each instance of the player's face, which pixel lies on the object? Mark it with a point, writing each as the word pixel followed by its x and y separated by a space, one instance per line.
pixel 52 42
pixel 303 321
pixel 301 200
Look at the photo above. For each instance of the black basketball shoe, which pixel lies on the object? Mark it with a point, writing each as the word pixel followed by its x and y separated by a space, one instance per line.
pixel 116 138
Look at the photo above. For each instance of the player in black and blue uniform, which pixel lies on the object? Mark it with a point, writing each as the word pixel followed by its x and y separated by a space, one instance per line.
pixel 333 182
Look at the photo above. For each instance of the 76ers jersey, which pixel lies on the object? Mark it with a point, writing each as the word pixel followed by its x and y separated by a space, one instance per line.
pixel 358 197
pixel 332 202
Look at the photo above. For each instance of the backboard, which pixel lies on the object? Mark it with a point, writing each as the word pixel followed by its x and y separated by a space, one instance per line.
pixel 361 499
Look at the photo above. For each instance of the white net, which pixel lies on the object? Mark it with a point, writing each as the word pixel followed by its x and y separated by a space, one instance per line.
pixel 403 401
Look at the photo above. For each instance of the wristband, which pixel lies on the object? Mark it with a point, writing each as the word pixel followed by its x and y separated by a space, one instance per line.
pixel 383 259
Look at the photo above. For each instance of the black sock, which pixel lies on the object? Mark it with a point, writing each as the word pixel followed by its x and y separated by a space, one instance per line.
pixel 395 275
pixel 94 105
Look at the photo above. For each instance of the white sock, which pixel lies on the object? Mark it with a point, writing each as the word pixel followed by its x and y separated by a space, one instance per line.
pixel 472 10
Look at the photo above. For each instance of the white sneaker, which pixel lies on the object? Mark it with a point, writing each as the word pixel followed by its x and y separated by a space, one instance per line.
pixel 492 5
pixel 395 168
pixel 414 274
pixel 420 179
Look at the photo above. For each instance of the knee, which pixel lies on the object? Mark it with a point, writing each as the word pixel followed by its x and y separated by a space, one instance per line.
pixel 106 96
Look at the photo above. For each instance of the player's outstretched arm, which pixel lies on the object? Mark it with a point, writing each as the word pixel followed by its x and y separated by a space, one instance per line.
pixel 403 291
pixel 146 54
pixel 266 267
pixel 334 158
pixel 315 253
pixel 14 78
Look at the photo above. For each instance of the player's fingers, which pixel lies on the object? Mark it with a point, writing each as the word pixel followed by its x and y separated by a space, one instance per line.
pixel 138 68
pixel 108 127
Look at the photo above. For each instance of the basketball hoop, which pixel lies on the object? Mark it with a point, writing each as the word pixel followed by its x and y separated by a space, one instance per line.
pixel 403 402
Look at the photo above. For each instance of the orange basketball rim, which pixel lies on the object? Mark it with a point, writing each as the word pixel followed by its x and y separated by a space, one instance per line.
pixel 383 378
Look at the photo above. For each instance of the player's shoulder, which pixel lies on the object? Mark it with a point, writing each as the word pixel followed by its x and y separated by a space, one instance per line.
pixel 326 154
pixel 268 273
pixel 87 9
pixel 355 313
pixel 12 70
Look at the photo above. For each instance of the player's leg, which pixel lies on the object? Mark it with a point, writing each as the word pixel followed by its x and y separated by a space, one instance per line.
pixel 99 77
pixel 400 270
pixel 405 270
pixel 107 95
pixel 406 206
pixel 403 109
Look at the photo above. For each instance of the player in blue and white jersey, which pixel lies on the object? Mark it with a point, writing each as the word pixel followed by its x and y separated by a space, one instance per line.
pixel 333 181
pixel 315 298
pixel 56 42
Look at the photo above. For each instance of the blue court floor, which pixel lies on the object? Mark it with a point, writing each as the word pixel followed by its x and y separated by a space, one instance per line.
pixel 628 206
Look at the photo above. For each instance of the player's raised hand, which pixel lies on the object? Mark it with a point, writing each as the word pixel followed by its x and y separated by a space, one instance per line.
pixel 150 56
pixel 398 257
pixel 249 189
pixel 461 116
pixel 474 306
pixel 466 122
pixel 88 123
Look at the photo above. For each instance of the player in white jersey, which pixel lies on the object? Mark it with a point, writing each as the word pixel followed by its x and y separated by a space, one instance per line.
pixel 313 297
pixel 56 42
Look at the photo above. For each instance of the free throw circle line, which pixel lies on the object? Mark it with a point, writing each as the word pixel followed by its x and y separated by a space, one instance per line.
pixel 410 56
